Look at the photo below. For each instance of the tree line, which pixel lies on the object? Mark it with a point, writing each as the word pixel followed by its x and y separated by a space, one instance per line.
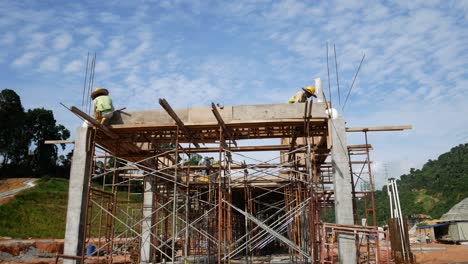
pixel 432 190
pixel 23 152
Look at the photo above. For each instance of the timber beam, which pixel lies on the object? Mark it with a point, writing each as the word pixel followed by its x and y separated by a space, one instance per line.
pixel 378 129
pixel 94 123
pixel 188 133
pixel 226 131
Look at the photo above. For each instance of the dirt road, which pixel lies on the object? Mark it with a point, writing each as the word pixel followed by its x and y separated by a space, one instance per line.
pixel 10 187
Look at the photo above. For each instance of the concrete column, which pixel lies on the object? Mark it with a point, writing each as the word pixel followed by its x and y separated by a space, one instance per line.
pixel 77 195
pixel 146 238
pixel 342 186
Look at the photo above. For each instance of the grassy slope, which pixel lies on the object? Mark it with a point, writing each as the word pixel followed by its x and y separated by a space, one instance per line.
pixel 38 212
pixel 434 189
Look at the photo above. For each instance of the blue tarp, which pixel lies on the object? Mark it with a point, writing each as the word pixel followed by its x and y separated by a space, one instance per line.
pixel 431 226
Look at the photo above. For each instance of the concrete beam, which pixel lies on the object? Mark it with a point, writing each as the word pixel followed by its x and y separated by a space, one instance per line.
pixel 230 114
pixel 77 195
pixel 342 189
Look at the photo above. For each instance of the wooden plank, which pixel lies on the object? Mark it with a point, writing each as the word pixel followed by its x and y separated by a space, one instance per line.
pixel 93 122
pixel 180 124
pixel 359 147
pixel 231 125
pixel 379 128
pixel 131 175
pixel 59 142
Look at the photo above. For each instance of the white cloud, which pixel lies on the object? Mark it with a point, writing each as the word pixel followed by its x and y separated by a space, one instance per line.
pixel 25 59
pixel 102 66
pixel 134 58
pixel 50 64
pixel 107 17
pixel 154 65
pixel 74 66
pixel 87 30
pixel 62 41
pixel 179 91
pixel 93 41
pixel 36 40
pixel 245 52
pixel 116 48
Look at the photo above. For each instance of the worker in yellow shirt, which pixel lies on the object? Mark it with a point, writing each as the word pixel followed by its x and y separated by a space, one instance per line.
pixel 302 96
pixel 103 108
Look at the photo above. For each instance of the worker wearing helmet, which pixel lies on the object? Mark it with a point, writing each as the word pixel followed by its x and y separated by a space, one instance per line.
pixel 103 108
pixel 302 96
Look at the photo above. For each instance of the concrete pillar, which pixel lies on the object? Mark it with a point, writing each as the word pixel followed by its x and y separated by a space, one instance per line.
pixel 342 186
pixel 146 238
pixel 77 195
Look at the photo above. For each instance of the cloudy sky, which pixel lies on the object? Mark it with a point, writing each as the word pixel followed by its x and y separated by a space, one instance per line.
pixel 253 52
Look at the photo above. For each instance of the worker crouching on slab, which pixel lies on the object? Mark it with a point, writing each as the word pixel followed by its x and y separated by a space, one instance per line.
pixel 303 95
pixel 103 108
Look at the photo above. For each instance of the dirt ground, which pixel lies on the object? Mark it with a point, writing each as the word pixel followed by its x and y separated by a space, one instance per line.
pixel 447 254
pixel 44 251
pixel 11 184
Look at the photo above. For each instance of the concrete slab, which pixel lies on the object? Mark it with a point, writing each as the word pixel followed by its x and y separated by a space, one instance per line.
pixel 230 114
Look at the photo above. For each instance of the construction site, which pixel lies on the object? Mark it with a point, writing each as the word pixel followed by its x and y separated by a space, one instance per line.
pixel 247 201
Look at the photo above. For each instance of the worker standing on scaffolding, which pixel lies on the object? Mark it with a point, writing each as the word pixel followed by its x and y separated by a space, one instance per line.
pixel 103 108
pixel 303 95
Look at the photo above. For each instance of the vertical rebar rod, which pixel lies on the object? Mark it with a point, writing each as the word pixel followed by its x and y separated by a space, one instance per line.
pixel 337 78
pixel 85 81
pixel 329 85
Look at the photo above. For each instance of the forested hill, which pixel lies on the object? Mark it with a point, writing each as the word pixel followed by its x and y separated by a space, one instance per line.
pixel 432 190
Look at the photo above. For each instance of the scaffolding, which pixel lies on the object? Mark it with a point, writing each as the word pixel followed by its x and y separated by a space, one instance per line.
pixel 150 201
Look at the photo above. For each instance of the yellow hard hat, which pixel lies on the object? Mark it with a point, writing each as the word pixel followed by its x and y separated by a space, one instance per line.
pixel 310 90
pixel 99 91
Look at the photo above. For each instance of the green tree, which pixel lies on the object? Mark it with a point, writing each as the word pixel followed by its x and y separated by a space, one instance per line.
pixel 13 141
pixel 433 189
pixel 194 159
pixel 41 126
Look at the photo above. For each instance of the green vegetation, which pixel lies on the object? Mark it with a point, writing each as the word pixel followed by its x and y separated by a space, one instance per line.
pixel 432 190
pixel 22 134
pixel 36 212
pixel 40 212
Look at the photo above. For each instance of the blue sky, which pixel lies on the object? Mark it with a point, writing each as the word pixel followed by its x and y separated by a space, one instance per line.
pixel 252 52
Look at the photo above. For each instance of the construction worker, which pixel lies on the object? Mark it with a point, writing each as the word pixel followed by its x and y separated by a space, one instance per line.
pixel 428 238
pixel 205 162
pixel 103 108
pixel 302 96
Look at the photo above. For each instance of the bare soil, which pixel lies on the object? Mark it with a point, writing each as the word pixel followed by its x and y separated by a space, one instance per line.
pixel 11 184
pixel 450 253
pixel 45 250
